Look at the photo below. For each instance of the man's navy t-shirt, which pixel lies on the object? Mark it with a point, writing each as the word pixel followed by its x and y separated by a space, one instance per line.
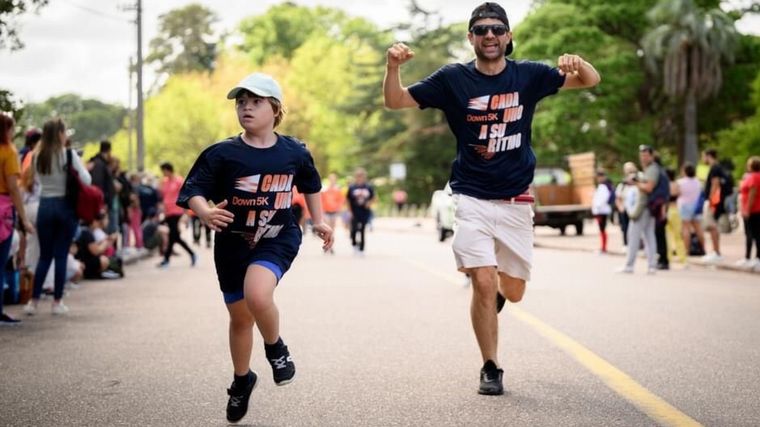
pixel 490 117
pixel 256 182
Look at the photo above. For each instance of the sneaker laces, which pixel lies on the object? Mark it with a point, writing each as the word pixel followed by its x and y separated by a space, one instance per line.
pixel 235 399
pixel 280 362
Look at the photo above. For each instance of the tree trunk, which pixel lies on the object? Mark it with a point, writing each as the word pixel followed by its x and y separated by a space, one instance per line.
pixel 690 149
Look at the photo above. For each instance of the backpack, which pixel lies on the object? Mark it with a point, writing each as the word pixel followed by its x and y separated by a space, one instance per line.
pixel 87 200
pixel 611 200
pixel 659 196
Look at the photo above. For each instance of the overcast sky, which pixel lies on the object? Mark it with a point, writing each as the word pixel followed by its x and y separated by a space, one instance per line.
pixel 83 46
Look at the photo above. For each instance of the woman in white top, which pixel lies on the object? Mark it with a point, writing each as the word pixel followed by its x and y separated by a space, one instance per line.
pixel 601 207
pixel 56 218
pixel 689 191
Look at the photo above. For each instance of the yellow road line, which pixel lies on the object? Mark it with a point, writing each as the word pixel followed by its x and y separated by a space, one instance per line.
pixel 621 383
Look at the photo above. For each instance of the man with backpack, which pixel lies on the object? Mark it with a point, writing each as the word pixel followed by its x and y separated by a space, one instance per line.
pixel 654 188
pixel 718 186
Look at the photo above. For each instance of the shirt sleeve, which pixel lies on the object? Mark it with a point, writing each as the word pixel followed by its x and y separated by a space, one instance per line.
pixel 10 163
pixel 201 180
pixel 432 91
pixel 84 174
pixel 546 80
pixel 307 177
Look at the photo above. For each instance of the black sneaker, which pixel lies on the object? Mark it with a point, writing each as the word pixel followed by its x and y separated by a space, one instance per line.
pixel 500 301
pixel 237 405
pixel 490 380
pixel 6 320
pixel 283 368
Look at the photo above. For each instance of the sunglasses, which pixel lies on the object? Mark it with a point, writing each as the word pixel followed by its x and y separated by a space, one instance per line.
pixel 482 30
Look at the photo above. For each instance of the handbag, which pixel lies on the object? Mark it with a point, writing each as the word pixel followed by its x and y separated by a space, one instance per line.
pixel 7 217
pixel 87 200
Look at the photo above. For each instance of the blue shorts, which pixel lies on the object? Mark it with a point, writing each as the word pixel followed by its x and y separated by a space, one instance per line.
pixel 233 256
pixel 688 212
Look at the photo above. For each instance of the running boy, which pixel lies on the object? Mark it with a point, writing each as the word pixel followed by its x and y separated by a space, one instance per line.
pixel 251 177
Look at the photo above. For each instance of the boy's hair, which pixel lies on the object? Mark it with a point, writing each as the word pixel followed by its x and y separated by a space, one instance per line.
pixel 167 166
pixel 105 146
pixel 279 110
pixel 688 170
pixel 712 153
pixel 754 164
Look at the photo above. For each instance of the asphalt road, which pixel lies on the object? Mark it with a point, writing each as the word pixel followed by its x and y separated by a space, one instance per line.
pixel 386 340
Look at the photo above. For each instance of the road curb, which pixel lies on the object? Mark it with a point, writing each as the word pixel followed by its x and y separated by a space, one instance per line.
pixel 727 267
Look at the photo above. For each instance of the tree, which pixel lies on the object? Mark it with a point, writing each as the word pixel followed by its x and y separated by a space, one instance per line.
pixel 743 138
pixel 186 41
pixel 90 119
pixel 608 119
pixel 285 27
pixel 10 10
pixel 686 48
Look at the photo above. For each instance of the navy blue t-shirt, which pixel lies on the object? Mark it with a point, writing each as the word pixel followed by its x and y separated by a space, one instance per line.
pixel 256 182
pixel 359 196
pixel 490 117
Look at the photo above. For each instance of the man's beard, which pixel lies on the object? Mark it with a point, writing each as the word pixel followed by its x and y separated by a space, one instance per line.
pixel 482 57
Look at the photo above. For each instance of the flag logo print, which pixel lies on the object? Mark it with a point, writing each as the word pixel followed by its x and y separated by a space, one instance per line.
pixel 249 184
pixel 480 103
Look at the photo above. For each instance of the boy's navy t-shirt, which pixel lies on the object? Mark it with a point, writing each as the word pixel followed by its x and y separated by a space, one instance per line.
pixel 256 182
pixel 358 196
pixel 490 117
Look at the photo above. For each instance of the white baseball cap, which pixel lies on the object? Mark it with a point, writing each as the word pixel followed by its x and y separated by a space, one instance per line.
pixel 259 84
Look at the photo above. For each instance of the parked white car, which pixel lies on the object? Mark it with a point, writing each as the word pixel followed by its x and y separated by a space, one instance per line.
pixel 442 209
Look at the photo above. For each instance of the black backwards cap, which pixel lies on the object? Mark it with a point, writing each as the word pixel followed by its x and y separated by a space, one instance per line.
pixel 491 10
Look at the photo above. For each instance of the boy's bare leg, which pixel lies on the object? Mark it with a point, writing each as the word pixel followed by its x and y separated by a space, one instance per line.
pixel 260 283
pixel 483 311
pixel 511 288
pixel 241 336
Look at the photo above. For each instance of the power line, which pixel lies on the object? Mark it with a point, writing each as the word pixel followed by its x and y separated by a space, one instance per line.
pixel 96 12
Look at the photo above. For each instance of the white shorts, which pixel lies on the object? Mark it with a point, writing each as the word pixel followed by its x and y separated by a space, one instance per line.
pixel 494 233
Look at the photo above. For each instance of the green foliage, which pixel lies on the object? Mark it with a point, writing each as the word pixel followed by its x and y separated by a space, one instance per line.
pixel 10 10
pixel 606 119
pixel 186 41
pixel 743 138
pixel 284 28
pixel 90 119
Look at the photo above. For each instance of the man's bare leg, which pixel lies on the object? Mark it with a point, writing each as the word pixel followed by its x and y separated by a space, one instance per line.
pixel 483 311
pixel 511 288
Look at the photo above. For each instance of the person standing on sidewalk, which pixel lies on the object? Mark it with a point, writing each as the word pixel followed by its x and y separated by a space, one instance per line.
pixel 674 225
pixel 688 203
pixel 601 206
pixel 11 202
pixel 489 104
pixel 170 187
pixel 629 169
pixel 749 203
pixel 102 177
pixel 56 218
pixel 717 188
pixel 642 221
pixel 251 178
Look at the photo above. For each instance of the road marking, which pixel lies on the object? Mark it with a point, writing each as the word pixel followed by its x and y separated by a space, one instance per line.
pixel 621 383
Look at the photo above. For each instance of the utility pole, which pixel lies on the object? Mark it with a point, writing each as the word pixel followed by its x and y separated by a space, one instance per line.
pixel 130 120
pixel 140 135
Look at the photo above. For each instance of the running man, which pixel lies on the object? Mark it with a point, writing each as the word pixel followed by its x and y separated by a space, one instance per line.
pixel 489 104
pixel 251 177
